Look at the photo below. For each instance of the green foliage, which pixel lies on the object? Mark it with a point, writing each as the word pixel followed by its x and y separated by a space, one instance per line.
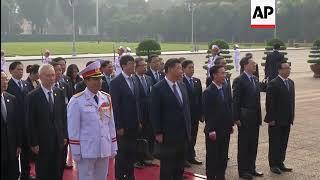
pixel 220 43
pixel 316 43
pixel 275 41
pixel 314 61
pixel 148 47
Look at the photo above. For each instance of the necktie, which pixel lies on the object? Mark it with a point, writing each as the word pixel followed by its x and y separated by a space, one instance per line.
pixel 252 81
pixel 175 91
pixel 131 84
pixel 20 85
pixel 287 84
pixel 95 97
pixel 191 83
pixel 144 84
pixel 221 94
pixel 3 109
pixel 50 101
pixel 157 76
pixel 108 79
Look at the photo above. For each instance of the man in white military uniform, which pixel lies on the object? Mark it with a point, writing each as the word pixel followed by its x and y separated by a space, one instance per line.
pixel 237 57
pixel 121 51
pixel 215 50
pixel 91 128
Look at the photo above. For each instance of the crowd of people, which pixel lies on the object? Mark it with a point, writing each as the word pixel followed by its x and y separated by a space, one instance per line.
pixel 135 110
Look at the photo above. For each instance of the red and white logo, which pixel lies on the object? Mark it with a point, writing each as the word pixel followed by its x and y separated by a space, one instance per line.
pixel 263 14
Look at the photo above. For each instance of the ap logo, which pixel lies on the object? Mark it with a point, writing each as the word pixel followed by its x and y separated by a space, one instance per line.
pixel 263 14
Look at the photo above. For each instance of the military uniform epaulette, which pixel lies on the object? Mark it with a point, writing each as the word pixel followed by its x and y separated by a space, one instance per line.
pixel 78 94
pixel 105 93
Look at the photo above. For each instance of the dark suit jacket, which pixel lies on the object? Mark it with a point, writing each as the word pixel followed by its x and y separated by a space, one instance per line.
pixel 107 87
pixel 14 89
pixel 39 124
pixel 145 99
pixel 149 73
pixel 195 98
pixel 126 108
pixel 30 85
pixel 280 102
pixel 66 89
pixel 81 86
pixel 246 101
pixel 217 112
pixel 168 117
pixel 10 129
pixel 271 66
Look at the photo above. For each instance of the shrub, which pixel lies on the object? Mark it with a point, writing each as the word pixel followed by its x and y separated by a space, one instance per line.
pixel 274 41
pixel 221 43
pixel 316 43
pixel 148 47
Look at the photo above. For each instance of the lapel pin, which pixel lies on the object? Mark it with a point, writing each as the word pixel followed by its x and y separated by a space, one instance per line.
pixel 55 94
pixel 8 100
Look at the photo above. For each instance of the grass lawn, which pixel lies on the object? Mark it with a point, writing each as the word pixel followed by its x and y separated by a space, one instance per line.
pixel 63 48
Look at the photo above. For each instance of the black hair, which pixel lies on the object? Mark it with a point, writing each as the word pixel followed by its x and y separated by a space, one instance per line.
pixel 70 69
pixel 14 65
pixel 105 63
pixel 33 69
pixel 88 63
pixel 138 59
pixel 214 70
pixel 125 59
pixel 57 59
pixel 249 55
pixel 186 63
pixel 218 60
pixel 54 63
pixel 280 64
pixel 171 63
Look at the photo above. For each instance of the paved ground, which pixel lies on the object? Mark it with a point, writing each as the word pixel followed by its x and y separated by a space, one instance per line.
pixel 303 153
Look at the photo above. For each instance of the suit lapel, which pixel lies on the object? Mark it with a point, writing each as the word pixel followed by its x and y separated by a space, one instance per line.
pixel 183 93
pixel 170 93
pixel 125 84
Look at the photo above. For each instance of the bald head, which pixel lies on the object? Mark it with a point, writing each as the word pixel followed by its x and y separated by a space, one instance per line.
pixel 47 76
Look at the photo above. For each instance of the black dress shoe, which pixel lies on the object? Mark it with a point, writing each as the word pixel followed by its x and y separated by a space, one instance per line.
pixel 246 176
pixel 187 164
pixel 257 174
pixel 194 161
pixel 285 169
pixel 275 170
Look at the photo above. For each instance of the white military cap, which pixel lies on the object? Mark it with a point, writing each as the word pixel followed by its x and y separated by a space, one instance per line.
pixel 92 70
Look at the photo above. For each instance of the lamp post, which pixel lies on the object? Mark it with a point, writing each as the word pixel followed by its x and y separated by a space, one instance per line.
pixel 191 7
pixel 277 12
pixel 97 17
pixel 72 3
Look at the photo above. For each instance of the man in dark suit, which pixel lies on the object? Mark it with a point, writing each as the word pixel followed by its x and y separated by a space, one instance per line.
pixel 47 126
pixel 171 121
pixel 280 116
pixel 19 88
pixel 217 110
pixel 108 74
pixel 67 92
pixel 64 78
pixel 144 83
pixel 247 116
pixel 194 89
pixel 124 91
pixel 81 86
pixel 272 61
pixel 154 71
pixel 10 133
